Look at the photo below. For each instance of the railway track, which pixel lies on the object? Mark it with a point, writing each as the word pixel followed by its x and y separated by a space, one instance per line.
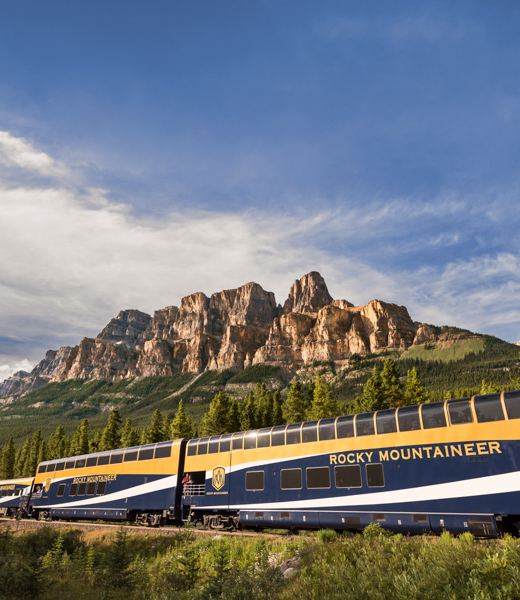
pixel 26 525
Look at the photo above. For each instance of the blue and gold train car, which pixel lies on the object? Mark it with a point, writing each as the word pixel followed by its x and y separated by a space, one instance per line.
pixel 137 484
pixel 12 492
pixel 452 465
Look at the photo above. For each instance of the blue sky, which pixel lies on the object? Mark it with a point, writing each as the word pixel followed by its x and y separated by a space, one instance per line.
pixel 153 149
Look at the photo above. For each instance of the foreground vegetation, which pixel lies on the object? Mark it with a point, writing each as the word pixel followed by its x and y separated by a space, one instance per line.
pixel 51 564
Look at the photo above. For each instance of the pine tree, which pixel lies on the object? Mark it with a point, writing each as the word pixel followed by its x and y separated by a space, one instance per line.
pixel 216 420
pixel 155 431
pixel 42 456
pixel 319 402
pixel 234 416
pixel 95 443
pixel 111 438
pixel 392 384
pixel 488 388
pixel 129 436
pixel 57 444
pixel 332 408
pixel 84 437
pixel 167 423
pixel 414 392
pixel 22 459
pixel 294 408
pixel 374 397
pixel 8 458
pixel 277 409
pixel 249 413
pixel 181 426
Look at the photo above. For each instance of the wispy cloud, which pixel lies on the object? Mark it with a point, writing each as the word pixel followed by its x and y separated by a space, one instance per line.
pixel 7 370
pixel 18 152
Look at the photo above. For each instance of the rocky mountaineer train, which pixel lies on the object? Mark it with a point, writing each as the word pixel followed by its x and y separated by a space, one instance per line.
pixel 452 465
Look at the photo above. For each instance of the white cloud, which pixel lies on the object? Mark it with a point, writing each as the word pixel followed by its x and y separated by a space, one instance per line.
pixel 7 370
pixel 18 152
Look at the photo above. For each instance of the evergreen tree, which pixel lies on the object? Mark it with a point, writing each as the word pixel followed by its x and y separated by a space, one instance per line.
pixel 216 420
pixel 155 431
pixel 57 444
pixel 95 443
pixel 392 384
pixel 234 416
pixel 332 408
pixel 22 459
pixel 167 423
pixel 249 413
pixel 129 435
pixel 75 443
pixel 319 402
pixel 488 388
pixel 294 408
pixel 42 456
pixel 277 409
pixel 181 426
pixel 111 437
pixel 144 436
pixel 8 460
pixel 34 453
pixel 84 437
pixel 374 397
pixel 414 392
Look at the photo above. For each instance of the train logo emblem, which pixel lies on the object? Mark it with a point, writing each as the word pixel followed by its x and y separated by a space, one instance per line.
pixel 48 482
pixel 219 478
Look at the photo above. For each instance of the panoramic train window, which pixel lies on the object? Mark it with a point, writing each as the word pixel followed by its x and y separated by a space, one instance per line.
pixel 365 424
pixel 130 455
pixel 42 468
pixel 51 467
pixel 293 434
pixel 264 438
pixel 80 463
pixel 489 408
pixel 60 465
pixel 70 464
pixel 61 489
pixel 146 453
pixel 225 442
pixel 254 480
pixel 214 444
pixel 345 427
pixel 385 421
pixel 250 440
pixel 291 479
pixel 460 412
pixel 91 488
pixel 103 459
pixel 92 461
pixel 375 475
pixel 512 400
pixel 163 450
pixel 327 429
pixel 348 476
pixel 433 415
pixel 238 441
pixel 116 458
pixel 310 432
pixel 408 417
pixel 203 446
pixel 73 489
pixel 318 477
pixel 278 436
pixel 192 447
pixel 82 487
pixel 101 488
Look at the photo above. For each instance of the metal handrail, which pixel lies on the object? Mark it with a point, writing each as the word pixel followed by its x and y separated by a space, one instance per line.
pixel 194 489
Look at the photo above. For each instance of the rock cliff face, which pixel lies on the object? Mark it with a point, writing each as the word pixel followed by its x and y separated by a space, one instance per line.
pixel 231 330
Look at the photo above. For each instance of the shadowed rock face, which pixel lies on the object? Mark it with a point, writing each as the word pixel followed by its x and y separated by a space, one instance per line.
pixel 230 330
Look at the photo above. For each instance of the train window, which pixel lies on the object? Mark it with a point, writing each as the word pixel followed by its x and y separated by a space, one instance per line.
pixel 42 469
pixel 460 412
pixel 192 447
pixel 293 434
pixel 61 489
pixel 238 441
pixel 385 421
pixel 379 517
pixel 92 461
pixel 365 424
pixel 489 408
pixel 101 488
pixel 130 455
pixel 116 458
pixel 250 440
pixel 348 476
pixel 291 479
pixel 408 417
pixel 73 489
pixel 345 427
pixel 163 450
pixel 433 415
pixel 512 400
pixel 91 488
pixel 327 429
pixel 203 446
pixel 310 432
pixel 420 518
pixel 264 438
pixel 225 443
pixel 254 480
pixel 80 463
pixel 375 475
pixel 278 436
pixel 70 464
pixel 103 459
pixel 51 467
pixel 60 465
pixel 82 487
pixel 318 477
pixel 146 453
pixel 214 444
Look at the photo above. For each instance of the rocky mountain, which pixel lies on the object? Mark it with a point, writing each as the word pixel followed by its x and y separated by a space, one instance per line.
pixel 232 329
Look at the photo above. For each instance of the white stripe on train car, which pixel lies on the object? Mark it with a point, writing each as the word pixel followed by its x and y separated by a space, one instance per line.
pixel 130 492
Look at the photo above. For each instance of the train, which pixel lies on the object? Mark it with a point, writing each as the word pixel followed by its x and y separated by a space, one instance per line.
pixel 440 466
